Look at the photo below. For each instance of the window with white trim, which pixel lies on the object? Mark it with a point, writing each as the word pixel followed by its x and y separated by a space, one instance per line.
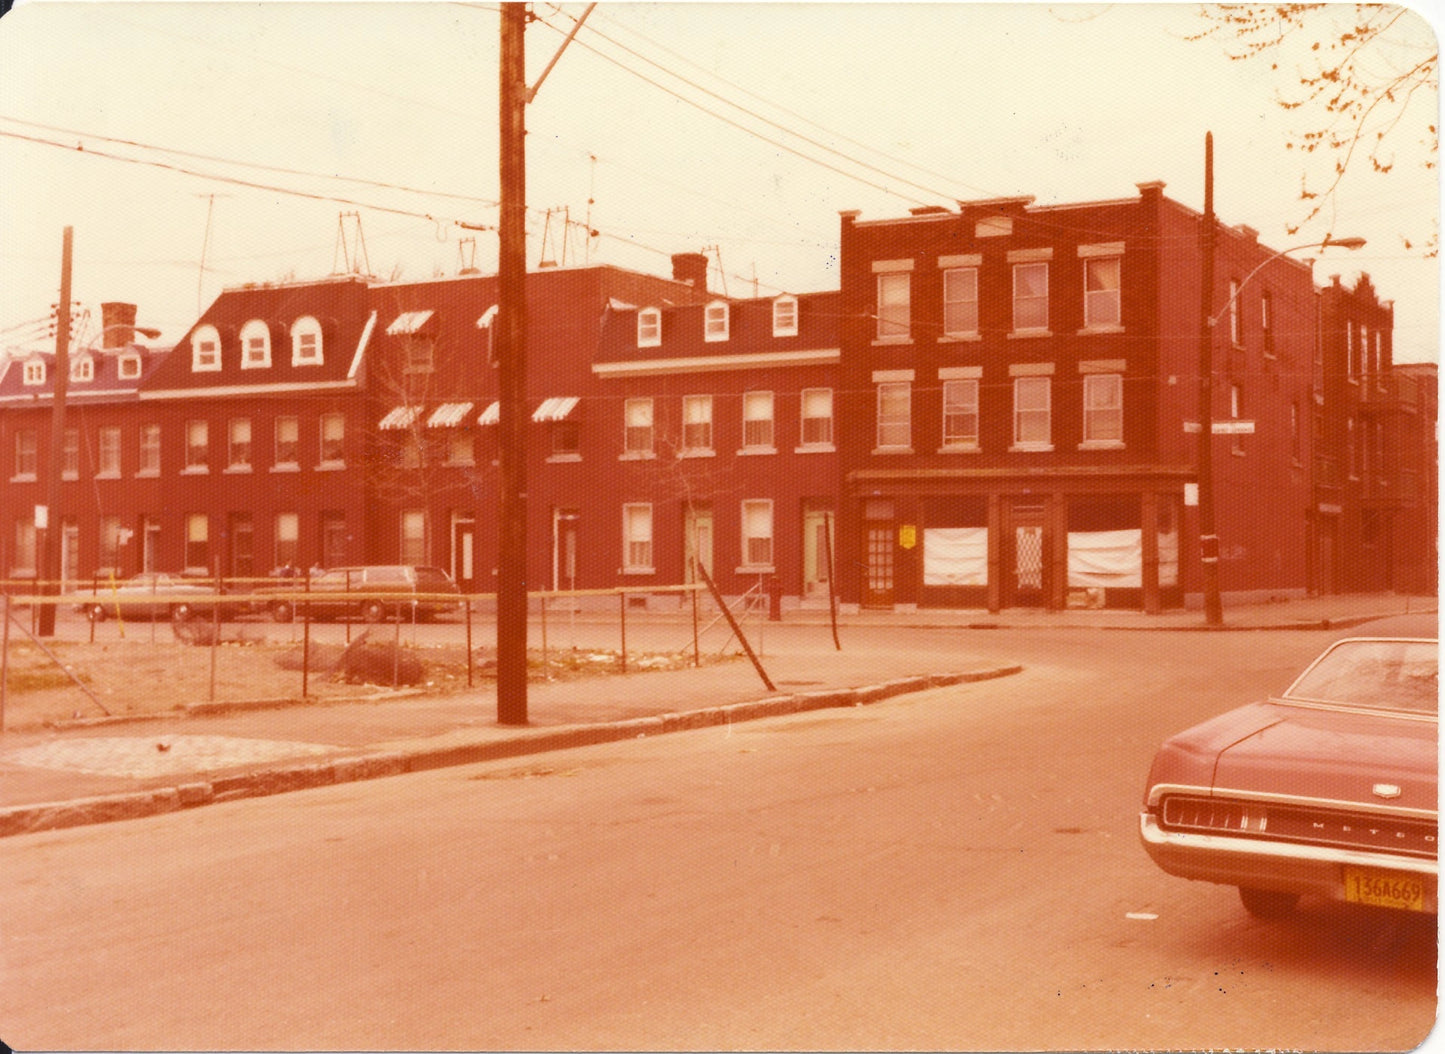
pixel 150 450
pixel 649 327
pixel 198 542
pixel 785 316
pixel 1235 334
pixel 306 342
pixel 413 536
pixel 895 292
pixel 27 455
pixel 960 414
pixel 1031 296
pixel 758 421
pixel 205 350
pixel 1033 413
pixel 817 418
pixel 1101 291
pixel 637 538
pixel 82 368
pixel 198 443
pixel 1104 408
pixel 960 302
pixel 107 452
pixel 288 437
pixel 895 415
pixel 128 367
pixel 70 455
pixel 757 524
pixel 715 321
pixel 238 442
pixel 637 436
pixel 34 372
pixel 333 439
pixel 697 424
pixel 255 345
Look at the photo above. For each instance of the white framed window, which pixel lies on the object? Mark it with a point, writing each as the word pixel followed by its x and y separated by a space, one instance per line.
pixel 150 450
pixel 198 542
pixel 461 447
pixel 757 541
pixel 1031 296
pixel 34 372
pixel 238 443
pixel 413 536
pixel 82 368
pixel 960 302
pixel 1033 413
pixel 637 429
pixel 715 321
pixel 306 342
pixel 649 327
pixel 1101 292
pixel 288 535
pixel 1266 314
pixel 288 433
pixel 1103 409
pixel 333 439
pixel 960 414
pixel 895 294
pixel 1352 362
pixel 758 422
pixel 27 454
pixel 1235 335
pixel 696 425
pixel 895 415
pixel 255 345
pixel 128 367
pixel 205 350
pixel 817 418
pixel 785 316
pixel 107 452
pixel 637 538
pixel 198 443
pixel 70 454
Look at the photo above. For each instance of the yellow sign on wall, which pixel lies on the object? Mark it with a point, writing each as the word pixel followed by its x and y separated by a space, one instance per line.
pixel 907 535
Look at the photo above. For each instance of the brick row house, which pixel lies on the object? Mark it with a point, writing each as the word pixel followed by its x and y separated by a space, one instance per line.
pixel 993 410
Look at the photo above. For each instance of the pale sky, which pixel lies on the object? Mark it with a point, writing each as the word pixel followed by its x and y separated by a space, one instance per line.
pixel 754 127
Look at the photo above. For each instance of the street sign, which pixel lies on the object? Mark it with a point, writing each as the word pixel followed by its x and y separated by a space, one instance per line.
pixel 1222 428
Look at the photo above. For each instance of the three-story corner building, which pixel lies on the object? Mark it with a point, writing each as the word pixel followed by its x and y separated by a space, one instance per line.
pixel 1019 384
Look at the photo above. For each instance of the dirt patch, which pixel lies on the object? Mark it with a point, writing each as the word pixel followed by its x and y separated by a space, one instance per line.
pixel 89 680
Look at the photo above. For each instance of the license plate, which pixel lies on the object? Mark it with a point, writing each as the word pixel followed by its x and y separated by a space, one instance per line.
pixel 1384 889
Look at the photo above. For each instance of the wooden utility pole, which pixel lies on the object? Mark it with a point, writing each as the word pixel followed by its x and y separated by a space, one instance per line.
pixel 49 571
pixel 511 352
pixel 1208 538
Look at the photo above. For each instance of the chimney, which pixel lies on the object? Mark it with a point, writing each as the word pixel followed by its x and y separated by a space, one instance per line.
pixel 690 268
pixel 122 318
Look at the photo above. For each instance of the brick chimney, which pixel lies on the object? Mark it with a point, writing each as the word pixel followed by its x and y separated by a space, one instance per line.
pixel 121 317
pixel 690 268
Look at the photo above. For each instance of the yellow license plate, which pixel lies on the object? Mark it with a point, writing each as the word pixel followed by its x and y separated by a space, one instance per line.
pixel 1384 889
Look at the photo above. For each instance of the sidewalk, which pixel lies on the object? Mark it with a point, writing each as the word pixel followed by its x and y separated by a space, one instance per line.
pixel 53 779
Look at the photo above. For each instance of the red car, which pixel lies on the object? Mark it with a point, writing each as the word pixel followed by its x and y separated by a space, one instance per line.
pixel 1329 789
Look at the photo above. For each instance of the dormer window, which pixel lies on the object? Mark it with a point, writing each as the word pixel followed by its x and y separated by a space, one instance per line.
pixel 35 372
pixel 128 367
pixel 82 368
pixel 649 327
pixel 306 342
pixel 785 316
pixel 255 345
pixel 715 321
pixel 205 350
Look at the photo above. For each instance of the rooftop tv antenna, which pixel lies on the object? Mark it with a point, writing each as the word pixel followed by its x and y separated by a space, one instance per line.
pixel 351 251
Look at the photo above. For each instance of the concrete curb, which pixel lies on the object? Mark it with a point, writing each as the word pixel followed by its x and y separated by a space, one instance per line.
pixel 49 816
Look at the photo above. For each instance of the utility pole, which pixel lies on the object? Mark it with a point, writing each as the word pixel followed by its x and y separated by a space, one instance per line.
pixel 1208 538
pixel 510 333
pixel 49 570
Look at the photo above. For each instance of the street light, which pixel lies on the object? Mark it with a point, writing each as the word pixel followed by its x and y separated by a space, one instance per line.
pixel 1328 243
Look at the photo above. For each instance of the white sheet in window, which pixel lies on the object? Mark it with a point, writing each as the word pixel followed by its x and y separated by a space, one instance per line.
pixel 955 556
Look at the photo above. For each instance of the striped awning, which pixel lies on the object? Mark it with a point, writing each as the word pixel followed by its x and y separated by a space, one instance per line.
pixel 448 415
pixel 492 414
pixel 407 322
pixel 487 318
pixel 400 417
pixel 556 408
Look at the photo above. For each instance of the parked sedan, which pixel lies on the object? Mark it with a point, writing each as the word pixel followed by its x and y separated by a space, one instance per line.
pixel 1329 789
pixel 374 593
pixel 157 594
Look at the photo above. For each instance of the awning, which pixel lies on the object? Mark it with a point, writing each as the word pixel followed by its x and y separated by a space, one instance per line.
pixel 400 417
pixel 407 322
pixel 555 408
pixel 491 415
pixel 488 316
pixel 448 415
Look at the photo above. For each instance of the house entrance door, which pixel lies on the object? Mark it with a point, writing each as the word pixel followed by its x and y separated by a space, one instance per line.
pixel 1030 557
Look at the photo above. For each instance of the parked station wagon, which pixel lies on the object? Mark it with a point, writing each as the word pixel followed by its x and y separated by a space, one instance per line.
pixel 1329 789
pixel 374 593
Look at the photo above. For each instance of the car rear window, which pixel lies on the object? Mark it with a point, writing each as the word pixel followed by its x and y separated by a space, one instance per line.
pixel 432 580
pixel 1381 674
